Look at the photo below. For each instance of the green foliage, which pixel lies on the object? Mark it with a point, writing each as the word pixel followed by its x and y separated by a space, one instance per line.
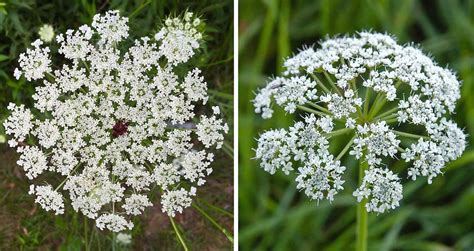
pixel 25 226
pixel 273 214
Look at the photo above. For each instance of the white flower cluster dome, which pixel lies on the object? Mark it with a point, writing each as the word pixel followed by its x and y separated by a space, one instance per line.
pixel 109 123
pixel 388 100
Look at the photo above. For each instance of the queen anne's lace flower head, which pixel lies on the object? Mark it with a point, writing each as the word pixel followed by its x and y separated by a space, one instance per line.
pixel 48 198
pixel 34 63
pixel 116 123
pixel 369 87
pixel 183 30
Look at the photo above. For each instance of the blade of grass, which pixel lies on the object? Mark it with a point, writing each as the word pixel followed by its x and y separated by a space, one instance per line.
pixel 214 222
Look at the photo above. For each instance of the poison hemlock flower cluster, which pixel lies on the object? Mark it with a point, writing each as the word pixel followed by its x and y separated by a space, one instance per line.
pixel 110 123
pixel 369 87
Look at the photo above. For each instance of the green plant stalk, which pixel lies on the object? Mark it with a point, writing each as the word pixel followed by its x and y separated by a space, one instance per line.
pixel 362 227
pixel 319 107
pixel 346 148
pixel 318 81
pixel 410 135
pixel 391 116
pixel 332 83
pixel 307 109
pixel 366 102
pixel 338 132
pixel 114 235
pixel 390 121
pixel 67 177
pixel 387 113
pixel 114 240
pixel 178 234
pixel 85 234
pixel 378 104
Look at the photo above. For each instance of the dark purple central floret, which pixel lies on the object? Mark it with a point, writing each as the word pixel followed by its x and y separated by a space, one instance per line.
pixel 120 128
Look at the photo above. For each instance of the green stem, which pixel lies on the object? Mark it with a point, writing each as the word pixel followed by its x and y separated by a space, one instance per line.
pixel 356 92
pixel 114 240
pixel 93 235
pixel 339 132
pixel 388 112
pixel 67 177
pixel 391 116
pixel 320 83
pixel 389 121
pixel 178 234
pixel 332 83
pixel 53 78
pixel 320 108
pixel 214 222
pixel 307 109
pixel 114 235
pixel 354 87
pixel 86 65
pixel 86 243
pixel 348 145
pixel 367 101
pixel 362 226
pixel 410 135
pixel 378 104
pixel 401 149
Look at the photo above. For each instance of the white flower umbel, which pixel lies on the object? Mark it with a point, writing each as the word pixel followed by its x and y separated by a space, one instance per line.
pixel 183 30
pixel 113 222
pixel 372 91
pixel 18 124
pixel 382 188
pixel 175 201
pixel 34 63
pixel 115 123
pixel 48 198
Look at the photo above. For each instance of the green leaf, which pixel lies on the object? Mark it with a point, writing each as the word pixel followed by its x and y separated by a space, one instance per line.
pixel 3 57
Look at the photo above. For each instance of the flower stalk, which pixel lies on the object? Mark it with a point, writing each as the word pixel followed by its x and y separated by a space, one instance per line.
pixel 362 227
pixel 178 234
pixel 307 109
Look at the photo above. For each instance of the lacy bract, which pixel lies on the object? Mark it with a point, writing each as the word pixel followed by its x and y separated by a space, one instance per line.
pixel 374 90
pixel 110 123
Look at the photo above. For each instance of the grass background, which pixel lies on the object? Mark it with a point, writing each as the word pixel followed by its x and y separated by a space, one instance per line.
pixel 273 215
pixel 25 226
